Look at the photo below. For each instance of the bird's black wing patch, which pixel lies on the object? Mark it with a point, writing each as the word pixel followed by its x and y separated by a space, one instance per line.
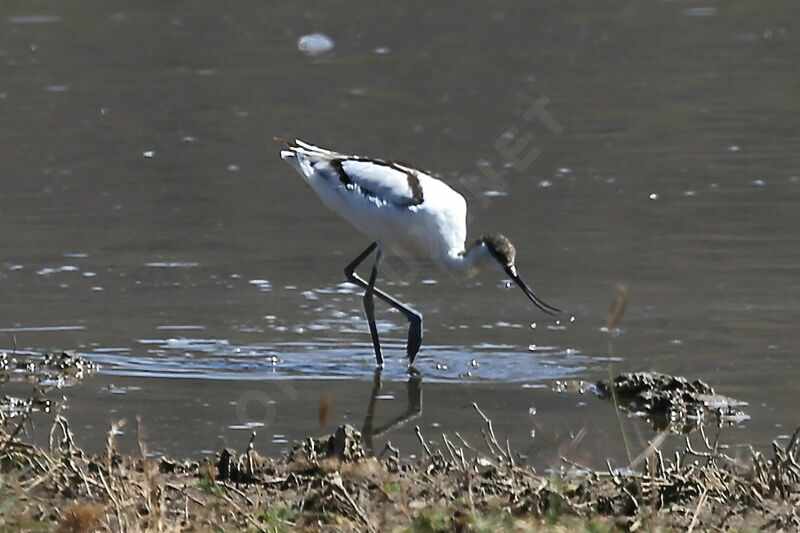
pixel 383 180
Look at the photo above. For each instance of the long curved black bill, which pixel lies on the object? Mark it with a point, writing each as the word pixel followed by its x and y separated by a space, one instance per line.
pixel 511 270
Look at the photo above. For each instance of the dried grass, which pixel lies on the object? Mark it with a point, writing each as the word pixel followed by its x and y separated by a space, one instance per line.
pixel 329 484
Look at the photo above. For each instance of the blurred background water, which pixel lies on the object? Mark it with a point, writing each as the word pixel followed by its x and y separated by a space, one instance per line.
pixel 147 221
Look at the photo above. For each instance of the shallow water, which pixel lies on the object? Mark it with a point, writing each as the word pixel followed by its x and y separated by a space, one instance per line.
pixel 148 222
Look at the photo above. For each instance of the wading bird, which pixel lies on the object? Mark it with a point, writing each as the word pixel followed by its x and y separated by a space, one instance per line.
pixel 399 207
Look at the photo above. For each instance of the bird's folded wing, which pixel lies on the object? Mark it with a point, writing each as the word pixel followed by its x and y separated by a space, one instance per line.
pixel 390 182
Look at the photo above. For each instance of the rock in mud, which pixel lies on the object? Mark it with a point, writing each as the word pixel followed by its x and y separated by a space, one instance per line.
pixel 344 445
pixel 244 468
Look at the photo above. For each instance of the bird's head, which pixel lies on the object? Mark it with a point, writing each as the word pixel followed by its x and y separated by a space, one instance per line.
pixel 496 249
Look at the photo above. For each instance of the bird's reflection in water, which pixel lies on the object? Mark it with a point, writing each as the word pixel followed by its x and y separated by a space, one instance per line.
pixel 413 408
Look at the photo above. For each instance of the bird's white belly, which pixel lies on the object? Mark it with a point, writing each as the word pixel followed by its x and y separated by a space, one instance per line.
pixel 404 229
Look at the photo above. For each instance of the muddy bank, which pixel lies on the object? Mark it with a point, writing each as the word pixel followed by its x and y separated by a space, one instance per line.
pixel 328 484
pixel 331 483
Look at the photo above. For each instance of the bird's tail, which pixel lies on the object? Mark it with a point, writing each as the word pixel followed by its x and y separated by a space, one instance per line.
pixel 299 146
pixel 303 156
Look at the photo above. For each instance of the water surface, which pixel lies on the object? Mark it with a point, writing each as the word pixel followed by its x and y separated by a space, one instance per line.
pixel 148 222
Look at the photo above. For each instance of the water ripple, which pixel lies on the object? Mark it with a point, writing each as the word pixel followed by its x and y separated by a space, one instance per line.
pixel 209 358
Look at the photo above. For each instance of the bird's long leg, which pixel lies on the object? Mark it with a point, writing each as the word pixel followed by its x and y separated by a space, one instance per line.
pixel 369 308
pixel 414 317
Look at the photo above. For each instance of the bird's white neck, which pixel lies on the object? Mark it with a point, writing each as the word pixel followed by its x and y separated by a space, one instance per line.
pixel 467 263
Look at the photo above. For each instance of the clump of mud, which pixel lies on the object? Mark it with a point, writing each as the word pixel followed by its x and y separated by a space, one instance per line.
pixel 671 401
pixel 45 372
pixel 51 369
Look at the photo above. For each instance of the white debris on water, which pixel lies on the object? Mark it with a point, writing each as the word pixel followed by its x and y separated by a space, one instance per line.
pixel 48 270
pixel 279 438
pixel 314 43
pixel 171 264
pixel 494 194
pixel 247 426
pixel 262 284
